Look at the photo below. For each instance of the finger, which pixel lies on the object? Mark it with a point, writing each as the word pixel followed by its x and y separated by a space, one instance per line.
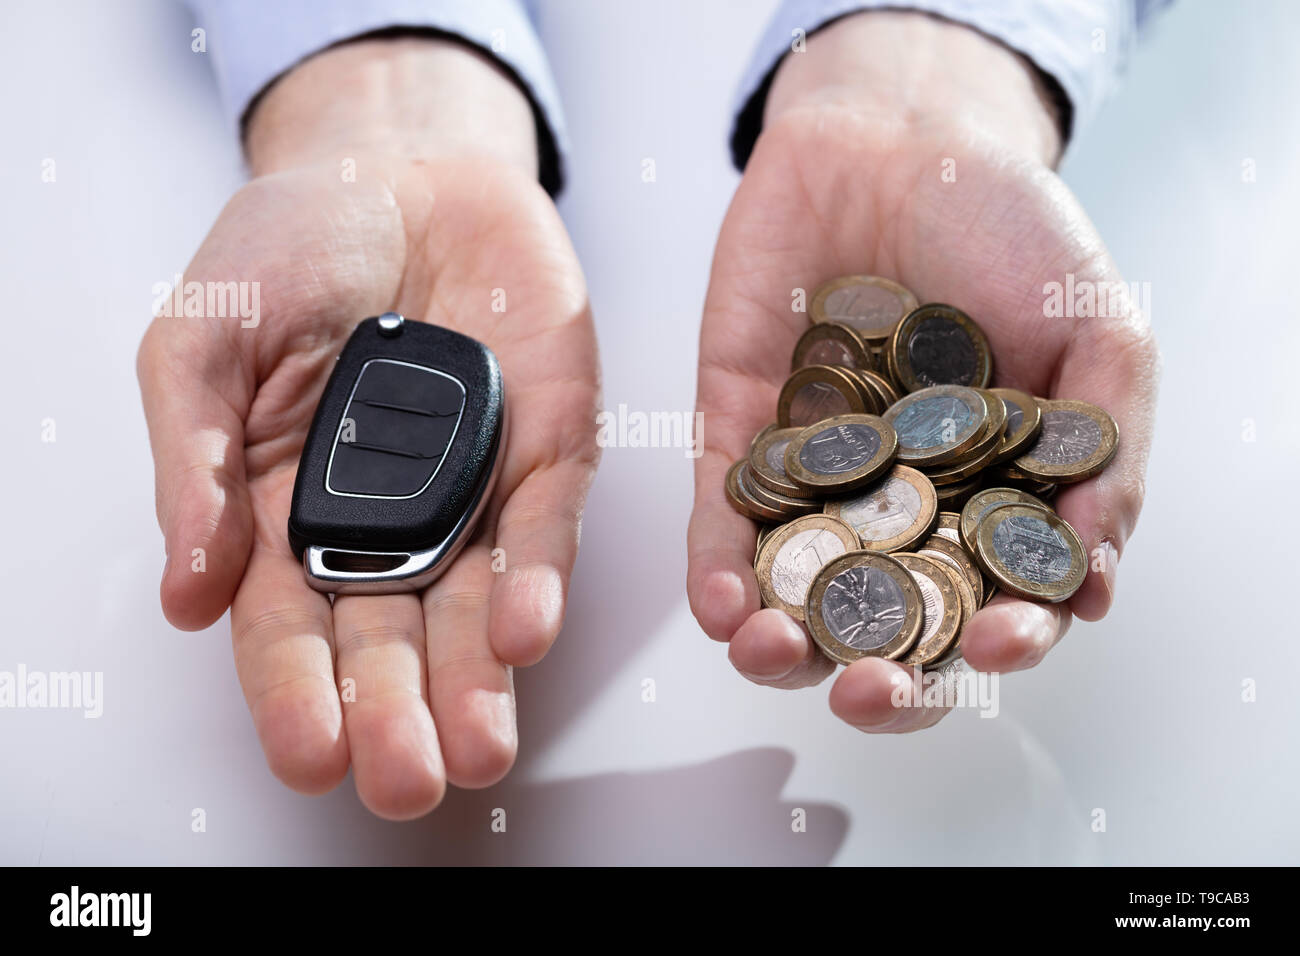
pixel 391 737
pixel 470 689
pixel 1009 634
pixel 1113 364
pixel 720 582
pixel 773 649
pixel 284 654
pixel 194 402
pixel 878 697
pixel 537 535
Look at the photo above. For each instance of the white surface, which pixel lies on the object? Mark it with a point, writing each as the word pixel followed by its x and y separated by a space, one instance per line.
pixel 1140 715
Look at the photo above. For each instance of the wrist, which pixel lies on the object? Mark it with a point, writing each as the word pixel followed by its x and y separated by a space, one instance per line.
pixel 414 97
pixel 921 75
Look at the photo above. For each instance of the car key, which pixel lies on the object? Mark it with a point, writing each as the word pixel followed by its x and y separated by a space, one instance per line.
pixel 400 460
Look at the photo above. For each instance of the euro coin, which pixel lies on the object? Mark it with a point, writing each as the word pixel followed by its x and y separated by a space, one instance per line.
pixel 1077 441
pixel 954 497
pixel 935 425
pixel 829 343
pixel 792 555
pixel 815 392
pixel 959 559
pixel 745 498
pixel 840 454
pixel 941 609
pixel 767 461
pixel 947 524
pixel 893 513
pixel 1024 419
pixel 982 502
pixel 870 305
pixel 939 345
pixel 864 604
pixel 1031 552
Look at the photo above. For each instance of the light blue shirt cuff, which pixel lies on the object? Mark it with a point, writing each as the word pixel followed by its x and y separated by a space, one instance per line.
pixel 1082 44
pixel 252 42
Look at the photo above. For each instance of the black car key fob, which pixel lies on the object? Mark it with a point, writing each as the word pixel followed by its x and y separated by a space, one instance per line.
pixel 400 459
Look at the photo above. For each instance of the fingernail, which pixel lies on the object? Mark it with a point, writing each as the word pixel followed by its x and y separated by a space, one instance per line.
pixel 1108 559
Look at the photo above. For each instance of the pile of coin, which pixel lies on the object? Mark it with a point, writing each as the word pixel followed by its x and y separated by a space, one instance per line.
pixel 897 491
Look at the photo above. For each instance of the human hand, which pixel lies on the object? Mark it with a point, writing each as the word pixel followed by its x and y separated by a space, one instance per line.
pixel 848 177
pixel 440 216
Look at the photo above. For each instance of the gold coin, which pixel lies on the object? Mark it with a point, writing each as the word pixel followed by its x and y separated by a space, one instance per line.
pixel 954 497
pixel 767 461
pixel 869 305
pixel 792 555
pixel 956 473
pixel 947 524
pixel 984 501
pixel 763 531
pixel 959 559
pixel 815 392
pixel 1024 418
pixel 840 454
pixel 991 439
pixel 1077 441
pixel 772 508
pixel 936 425
pixel 1031 552
pixel 880 386
pixel 939 345
pixel 891 514
pixel 940 609
pixel 864 604
pixel 829 343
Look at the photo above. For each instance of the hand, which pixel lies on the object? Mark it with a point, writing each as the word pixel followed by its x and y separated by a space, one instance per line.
pixel 846 178
pixel 229 407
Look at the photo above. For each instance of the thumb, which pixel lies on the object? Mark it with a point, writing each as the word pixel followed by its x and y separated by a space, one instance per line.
pixel 195 399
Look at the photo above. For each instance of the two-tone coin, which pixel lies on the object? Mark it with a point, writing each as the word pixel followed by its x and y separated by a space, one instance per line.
pixel 937 344
pixel 815 392
pixel 1024 419
pixel 959 559
pixel 947 523
pixel 829 343
pixel 954 497
pixel 1077 441
pixel 1031 552
pixel 840 454
pixel 891 514
pixel 754 501
pixel 870 305
pixel 936 425
pixel 792 555
pixel 941 609
pixel 980 454
pixel 984 501
pixel 864 604
pixel 767 462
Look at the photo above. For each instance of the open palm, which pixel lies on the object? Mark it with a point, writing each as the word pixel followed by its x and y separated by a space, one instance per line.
pixel 830 192
pixel 410 690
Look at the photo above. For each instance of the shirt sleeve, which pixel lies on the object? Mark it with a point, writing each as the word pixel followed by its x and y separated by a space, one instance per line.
pixel 1080 46
pixel 252 42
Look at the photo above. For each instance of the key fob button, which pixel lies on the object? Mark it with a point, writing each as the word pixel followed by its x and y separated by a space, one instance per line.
pixel 395 430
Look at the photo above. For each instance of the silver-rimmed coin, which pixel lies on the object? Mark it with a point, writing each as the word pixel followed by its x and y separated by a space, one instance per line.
pixel 936 425
pixel 792 555
pixel 864 604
